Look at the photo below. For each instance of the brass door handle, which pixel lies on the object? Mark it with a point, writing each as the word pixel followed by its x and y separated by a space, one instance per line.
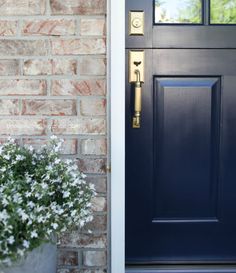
pixel 137 101
pixel 136 77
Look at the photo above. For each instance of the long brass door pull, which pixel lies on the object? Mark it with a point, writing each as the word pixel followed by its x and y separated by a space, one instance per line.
pixel 136 77
pixel 137 101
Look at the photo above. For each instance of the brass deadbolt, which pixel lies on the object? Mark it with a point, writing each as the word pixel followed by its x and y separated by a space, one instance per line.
pixel 137 22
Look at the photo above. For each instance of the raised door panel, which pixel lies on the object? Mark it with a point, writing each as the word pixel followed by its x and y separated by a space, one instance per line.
pixel 186 149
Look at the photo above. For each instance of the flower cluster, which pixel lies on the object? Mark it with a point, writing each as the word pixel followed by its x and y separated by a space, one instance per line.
pixel 40 195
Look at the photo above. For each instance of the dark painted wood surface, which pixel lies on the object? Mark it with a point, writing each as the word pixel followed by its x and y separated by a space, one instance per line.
pixel 194 37
pixel 180 165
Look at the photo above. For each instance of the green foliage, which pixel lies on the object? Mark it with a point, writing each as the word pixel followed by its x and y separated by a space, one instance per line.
pixel 40 196
pixel 192 13
pixel 223 11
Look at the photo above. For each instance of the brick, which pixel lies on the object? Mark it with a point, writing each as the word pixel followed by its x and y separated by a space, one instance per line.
pixel 8 28
pixel 77 126
pixel 99 204
pixel 76 270
pixel 99 182
pixel 23 47
pixel 68 270
pixel 22 127
pixel 9 107
pixel 92 241
pixel 9 67
pixel 78 87
pixel 69 146
pixel 64 67
pixel 92 66
pixel 49 27
pixel 37 67
pixel 49 67
pixel 93 107
pixel 93 166
pixel 76 240
pixel 89 7
pixel 68 239
pixel 22 7
pixel 92 27
pixel 98 224
pixel 78 46
pixel 49 107
pixel 94 258
pixel 23 87
pixel 66 257
pixel 94 146
pixel 94 271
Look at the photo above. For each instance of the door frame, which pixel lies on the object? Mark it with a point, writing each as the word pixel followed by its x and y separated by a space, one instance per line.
pixel 116 129
pixel 116 85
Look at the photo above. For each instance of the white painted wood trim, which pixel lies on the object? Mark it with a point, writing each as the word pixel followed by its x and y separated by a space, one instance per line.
pixel 116 79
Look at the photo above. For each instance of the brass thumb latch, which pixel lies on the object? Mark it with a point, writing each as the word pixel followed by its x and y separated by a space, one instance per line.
pixel 136 77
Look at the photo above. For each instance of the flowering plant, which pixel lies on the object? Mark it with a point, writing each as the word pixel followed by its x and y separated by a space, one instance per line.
pixel 40 195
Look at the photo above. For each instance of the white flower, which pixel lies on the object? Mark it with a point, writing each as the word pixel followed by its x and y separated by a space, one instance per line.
pixel 49 168
pixel 53 137
pixel 66 194
pixel 20 157
pixel 22 214
pixel 3 169
pixel 28 194
pixel 70 204
pixel 60 211
pixel 7 157
pixel 26 244
pixel 10 140
pixel 34 234
pixel 73 213
pixel 30 148
pixel 82 222
pixel 40 219
pixel 20 252
pixel 11 240
pixel 5 202
pixel 54 225
pixel 38 195
pixel 31 204
pixel 57 161
pixel 17 198
pixel 4 215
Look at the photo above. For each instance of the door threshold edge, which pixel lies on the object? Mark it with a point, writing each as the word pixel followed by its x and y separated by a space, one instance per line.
pixel 182 269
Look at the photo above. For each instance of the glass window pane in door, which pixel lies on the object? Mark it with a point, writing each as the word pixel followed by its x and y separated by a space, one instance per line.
pixel 223 11
pixel 178 11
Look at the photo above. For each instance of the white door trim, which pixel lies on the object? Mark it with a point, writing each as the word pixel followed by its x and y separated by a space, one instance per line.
pixel 116 85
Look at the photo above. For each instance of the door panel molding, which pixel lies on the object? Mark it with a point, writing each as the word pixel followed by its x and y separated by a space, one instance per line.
pixel 170 62
pixel 194 37
pixel 186 108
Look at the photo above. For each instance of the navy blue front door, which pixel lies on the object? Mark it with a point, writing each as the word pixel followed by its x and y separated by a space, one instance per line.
pixel 181 163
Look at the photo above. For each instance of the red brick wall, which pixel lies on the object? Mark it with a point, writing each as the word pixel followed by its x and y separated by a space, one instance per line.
pixel 53 81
